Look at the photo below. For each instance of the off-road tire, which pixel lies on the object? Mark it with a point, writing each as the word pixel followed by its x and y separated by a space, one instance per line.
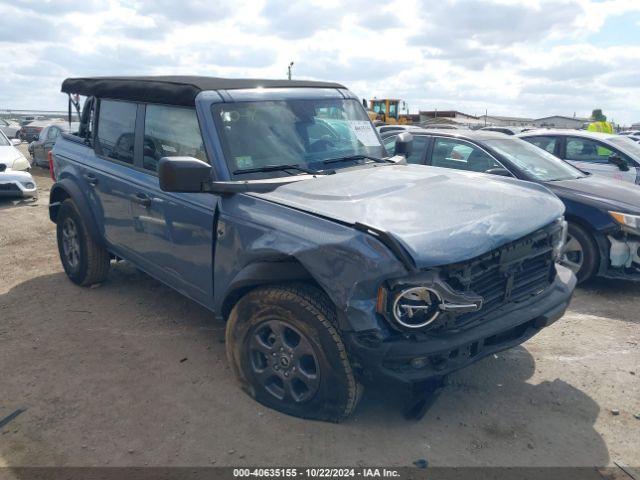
pixel 310 312
pixel 591 256
pixel 94 261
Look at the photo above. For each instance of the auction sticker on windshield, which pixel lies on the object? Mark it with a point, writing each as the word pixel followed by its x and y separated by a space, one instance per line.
pixel 364 133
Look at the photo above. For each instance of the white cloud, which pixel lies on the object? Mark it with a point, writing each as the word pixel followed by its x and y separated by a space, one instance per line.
pixel 529 57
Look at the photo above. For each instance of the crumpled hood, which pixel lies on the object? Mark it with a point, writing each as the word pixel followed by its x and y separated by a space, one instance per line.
pixel 440 216
pixel 8 154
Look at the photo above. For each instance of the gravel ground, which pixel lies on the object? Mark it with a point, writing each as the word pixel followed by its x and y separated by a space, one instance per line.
pixel 132 373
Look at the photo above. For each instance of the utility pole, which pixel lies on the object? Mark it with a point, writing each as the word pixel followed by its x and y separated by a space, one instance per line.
pixel 289 70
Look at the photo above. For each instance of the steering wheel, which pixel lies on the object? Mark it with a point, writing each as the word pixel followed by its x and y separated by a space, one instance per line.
pixel 321 145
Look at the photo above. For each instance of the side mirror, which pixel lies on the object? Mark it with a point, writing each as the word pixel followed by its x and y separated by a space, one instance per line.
pixel 503 172
pixel 184 174
pixel 15 142
pixel 404 144
pixel 620 162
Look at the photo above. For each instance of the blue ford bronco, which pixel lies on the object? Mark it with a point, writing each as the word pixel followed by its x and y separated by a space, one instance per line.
pixel 273 204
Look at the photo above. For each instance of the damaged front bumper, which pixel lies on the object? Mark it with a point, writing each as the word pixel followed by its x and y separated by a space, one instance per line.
pixel 619 255
pixel 14 183
pixel 409 359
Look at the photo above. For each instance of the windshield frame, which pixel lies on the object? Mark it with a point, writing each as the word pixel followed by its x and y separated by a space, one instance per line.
pixel 356 111
pixel 524 173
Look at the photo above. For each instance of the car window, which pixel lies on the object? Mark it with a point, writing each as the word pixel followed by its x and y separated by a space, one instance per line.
pixel 545 143
pixel 4 141
pixel 116 129
pixel 586 150
pixel 417 151
pixel 170 132
pixel 450 153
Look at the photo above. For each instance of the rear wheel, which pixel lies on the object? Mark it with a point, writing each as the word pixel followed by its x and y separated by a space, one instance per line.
pixel 84 261
pixel 286 353
pixel 580 253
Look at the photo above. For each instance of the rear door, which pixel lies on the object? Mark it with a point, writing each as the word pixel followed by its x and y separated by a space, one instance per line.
pixel 113 175
pixel 593 156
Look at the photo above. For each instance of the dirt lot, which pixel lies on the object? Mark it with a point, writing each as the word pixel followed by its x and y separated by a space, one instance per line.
pixel 132 373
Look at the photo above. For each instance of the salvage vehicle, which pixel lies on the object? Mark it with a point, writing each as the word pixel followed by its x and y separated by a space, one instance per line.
pixel 15 183
pixel 40 148
pixel 273 204
pixel 603 214
pixel 10 156
pixel 614 156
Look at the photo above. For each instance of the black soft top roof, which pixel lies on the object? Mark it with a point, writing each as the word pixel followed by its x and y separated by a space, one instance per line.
pixel 173 90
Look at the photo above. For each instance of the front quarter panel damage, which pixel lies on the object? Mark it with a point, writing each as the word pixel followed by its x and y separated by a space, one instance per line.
pixel 349 265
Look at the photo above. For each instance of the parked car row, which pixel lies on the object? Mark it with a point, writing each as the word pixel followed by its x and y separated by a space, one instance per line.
pixel 601 240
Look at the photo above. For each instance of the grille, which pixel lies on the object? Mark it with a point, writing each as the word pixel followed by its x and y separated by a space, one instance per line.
pixel 10 187
pixel 509 274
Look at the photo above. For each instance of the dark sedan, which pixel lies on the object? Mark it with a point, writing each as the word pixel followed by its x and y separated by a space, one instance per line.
pixel 39 148
pixel 603 214
pixel 31 131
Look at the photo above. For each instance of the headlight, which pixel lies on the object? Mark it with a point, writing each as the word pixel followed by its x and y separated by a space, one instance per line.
pixel 416 307
pixel 558 246
pixel 626 220
pixel 21 163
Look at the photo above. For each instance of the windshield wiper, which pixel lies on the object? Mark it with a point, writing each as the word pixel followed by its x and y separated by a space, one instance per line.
pixel 275 168
pixel 356 157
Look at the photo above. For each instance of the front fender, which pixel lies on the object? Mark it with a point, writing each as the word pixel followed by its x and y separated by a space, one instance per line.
pixel 264 242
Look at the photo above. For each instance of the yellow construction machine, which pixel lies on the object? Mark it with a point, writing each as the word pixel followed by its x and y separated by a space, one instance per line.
pixel 387 110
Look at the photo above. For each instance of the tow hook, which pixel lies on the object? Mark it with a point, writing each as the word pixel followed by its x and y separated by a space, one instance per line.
pixel 421 396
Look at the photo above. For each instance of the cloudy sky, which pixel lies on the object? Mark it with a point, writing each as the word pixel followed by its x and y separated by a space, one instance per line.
pixel 526 58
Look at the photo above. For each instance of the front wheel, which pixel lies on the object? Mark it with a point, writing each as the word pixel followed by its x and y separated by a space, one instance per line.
pixel 84 261
pixel 286 353
pixel 580 253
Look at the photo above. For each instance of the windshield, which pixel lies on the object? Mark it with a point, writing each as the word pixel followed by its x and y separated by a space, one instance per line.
pixel 304 133
pixel 627 145
pixel 3 140
pixel 534 161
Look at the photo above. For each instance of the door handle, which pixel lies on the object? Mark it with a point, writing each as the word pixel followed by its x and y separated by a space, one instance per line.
pixel 91 178
pixel 141 199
